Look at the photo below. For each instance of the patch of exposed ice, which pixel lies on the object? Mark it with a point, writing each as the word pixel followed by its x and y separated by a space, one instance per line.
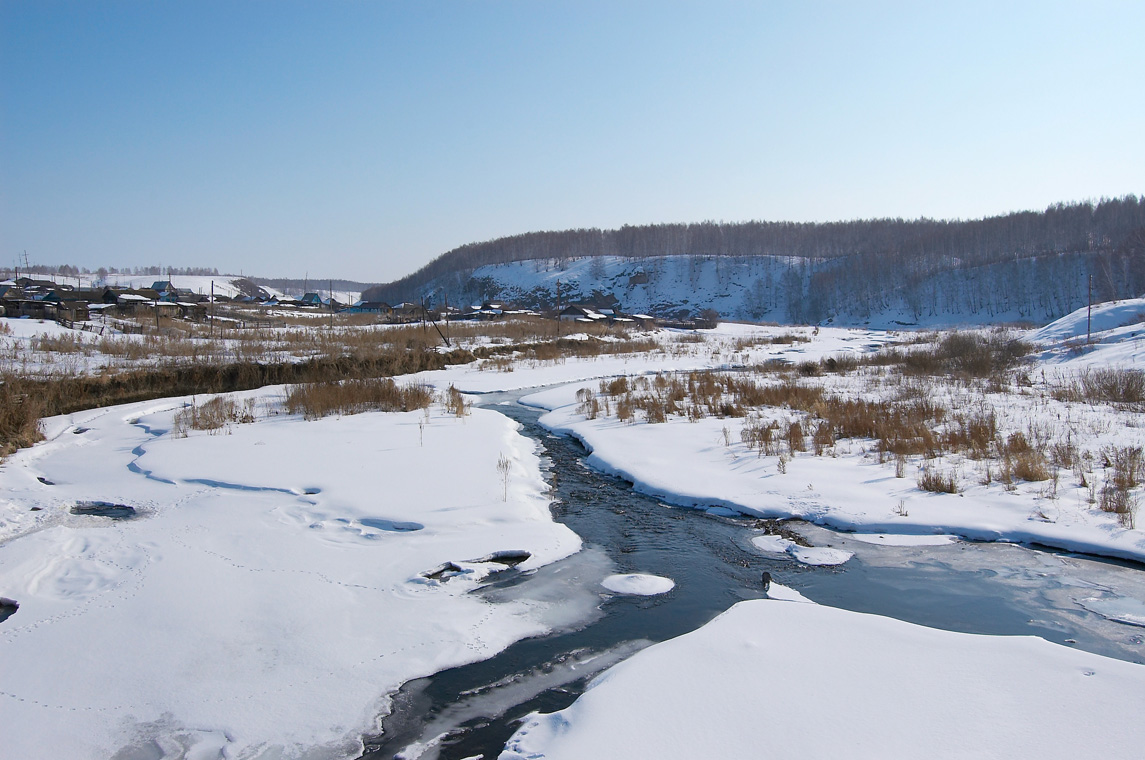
pixel 898 539
pixel 1120 609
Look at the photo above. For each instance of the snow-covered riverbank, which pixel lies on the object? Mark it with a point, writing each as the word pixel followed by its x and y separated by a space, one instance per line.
pixel 268 593
pixel 786 678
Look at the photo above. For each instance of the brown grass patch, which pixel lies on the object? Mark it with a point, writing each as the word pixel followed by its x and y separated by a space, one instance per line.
pixel 316 400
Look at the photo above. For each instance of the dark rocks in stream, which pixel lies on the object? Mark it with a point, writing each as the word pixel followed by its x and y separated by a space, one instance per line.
pixel 766 580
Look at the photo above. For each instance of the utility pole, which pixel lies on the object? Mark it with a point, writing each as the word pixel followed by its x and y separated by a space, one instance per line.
pixel 331 288
pixel 445 318
pixel 1089 312
pixel 558 308
pixel 211 316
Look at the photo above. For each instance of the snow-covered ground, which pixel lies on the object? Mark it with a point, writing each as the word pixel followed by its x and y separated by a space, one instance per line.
pixel 787 678
pixel 1115 331
pixel 696 464
pixel 268 594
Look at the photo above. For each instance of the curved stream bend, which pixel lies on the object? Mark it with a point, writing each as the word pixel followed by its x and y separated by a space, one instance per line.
pixel 979 588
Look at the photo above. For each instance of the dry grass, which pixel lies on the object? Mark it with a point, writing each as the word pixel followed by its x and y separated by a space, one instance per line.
pixel 957 354
pixel 316 400
pixel 1121 387
pixel 213 415
pixel 20 411
pixel 454 402
pixel 930 479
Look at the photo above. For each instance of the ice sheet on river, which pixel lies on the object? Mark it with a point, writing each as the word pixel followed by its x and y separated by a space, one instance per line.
pixel 787 679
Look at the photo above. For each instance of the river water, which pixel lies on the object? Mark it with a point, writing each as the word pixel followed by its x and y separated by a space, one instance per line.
pixel 1000 589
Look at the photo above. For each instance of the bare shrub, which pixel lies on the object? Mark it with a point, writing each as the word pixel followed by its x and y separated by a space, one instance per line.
pixel 615 387
pixel 587 405
pixel 1126 462
pixel 758 435
pixel 930 479
pixel 1119 501
pixel 809 369
pixel 1063 454
pixel 504 469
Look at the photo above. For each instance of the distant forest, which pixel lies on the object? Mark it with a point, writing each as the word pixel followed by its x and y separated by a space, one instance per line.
pixel 845 258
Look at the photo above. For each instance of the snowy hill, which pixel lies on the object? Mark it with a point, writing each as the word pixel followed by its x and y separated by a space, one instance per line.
pixel 1114 330
pixel 780 289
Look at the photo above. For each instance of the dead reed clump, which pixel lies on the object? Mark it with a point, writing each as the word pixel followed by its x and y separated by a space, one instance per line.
pixel 1127 463
pixel 63 343
pixel 930 479
pixel 316 400
pixel 959 354
pixel 1121 387
pixel 454 402
pixel 213 415
pixel 615 387
pixel 20 411
pixel 760 435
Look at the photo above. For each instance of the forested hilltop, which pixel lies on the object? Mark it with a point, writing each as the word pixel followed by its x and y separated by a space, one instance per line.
pixel 1021 266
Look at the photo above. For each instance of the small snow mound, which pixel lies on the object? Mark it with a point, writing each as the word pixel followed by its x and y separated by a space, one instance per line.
pixel 785 594
pixel 815 555
pixel 638 584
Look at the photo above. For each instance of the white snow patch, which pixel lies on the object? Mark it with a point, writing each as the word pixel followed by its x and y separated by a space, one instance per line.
pixel 778 679
pixel 808 555
pixel 269 593
pixel 638 584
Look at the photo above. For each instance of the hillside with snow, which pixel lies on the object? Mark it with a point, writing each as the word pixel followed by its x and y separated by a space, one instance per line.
pixel 779 289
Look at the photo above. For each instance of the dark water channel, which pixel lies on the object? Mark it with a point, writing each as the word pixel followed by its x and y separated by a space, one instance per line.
pixel 472 710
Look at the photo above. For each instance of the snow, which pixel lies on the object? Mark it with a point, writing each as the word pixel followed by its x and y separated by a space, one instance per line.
pixel 1116 340
pixel 270 592
pixel 891 539
pixel 688 464
pixel 788 679
pixel 638 584
pixel 759 288
pixel 808 555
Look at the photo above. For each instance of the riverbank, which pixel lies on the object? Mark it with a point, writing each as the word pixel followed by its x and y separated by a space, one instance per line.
pixel 270 589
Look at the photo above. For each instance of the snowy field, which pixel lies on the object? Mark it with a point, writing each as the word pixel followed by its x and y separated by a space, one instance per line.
pixel 273 585
pixel 269 591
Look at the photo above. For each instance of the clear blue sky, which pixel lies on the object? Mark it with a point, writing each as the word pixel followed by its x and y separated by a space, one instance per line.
pixel 361 139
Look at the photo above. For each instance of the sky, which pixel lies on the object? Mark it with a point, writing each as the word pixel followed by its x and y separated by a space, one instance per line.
pixel 362 139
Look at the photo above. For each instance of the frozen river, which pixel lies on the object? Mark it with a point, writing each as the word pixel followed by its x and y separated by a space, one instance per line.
pixel 998 589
